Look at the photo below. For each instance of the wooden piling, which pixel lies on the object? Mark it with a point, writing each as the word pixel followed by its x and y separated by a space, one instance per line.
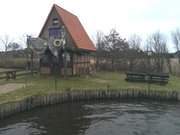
pixel 71 95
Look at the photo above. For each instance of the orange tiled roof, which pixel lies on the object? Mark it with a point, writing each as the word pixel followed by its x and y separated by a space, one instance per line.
pixel 75 29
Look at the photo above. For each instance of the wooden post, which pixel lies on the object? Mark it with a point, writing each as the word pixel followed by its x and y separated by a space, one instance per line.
pixel 72 63
pixel 32 62
pixel 65 62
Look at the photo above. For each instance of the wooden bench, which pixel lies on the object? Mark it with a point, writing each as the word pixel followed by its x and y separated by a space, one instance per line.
pixel 161 78
pixel 135 77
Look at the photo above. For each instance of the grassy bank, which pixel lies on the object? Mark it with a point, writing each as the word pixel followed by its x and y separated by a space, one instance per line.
pixel 39 85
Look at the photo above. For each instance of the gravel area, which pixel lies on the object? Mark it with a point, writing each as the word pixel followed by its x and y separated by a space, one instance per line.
pixel 10 87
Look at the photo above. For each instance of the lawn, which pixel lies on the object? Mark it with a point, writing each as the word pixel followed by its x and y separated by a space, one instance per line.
pixel 38 85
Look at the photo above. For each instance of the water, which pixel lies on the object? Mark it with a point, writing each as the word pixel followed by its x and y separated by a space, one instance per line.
pixel 104 118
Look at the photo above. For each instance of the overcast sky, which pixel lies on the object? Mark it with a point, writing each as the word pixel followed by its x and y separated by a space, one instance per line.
pixel 18 17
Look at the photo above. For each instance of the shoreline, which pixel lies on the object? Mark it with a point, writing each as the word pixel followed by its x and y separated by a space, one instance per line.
pixel 70 95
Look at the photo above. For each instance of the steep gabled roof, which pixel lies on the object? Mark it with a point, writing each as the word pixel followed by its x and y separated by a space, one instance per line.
pixel 74 28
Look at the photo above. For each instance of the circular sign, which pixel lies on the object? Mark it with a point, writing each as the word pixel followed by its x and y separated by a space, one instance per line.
pixel 58 42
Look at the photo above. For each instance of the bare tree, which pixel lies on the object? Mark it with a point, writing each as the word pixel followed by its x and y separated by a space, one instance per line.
pixel 134 51
pixel 101 48
pixel 13 46
pixel 157 44
pixel 176 40
pixel 135 42
pixel 100 42
pixel 23 40
pixel 5 41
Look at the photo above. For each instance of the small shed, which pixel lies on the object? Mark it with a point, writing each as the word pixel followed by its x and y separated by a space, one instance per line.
pixel 76 57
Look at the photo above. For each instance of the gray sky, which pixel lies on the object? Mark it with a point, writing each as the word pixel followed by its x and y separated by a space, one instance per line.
pixel 19 17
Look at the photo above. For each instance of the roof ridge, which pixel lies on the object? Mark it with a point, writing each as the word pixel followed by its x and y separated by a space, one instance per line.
pixel 55 5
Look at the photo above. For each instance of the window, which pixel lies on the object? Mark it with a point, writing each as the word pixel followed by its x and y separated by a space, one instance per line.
pixel 55 21
pixel 54 32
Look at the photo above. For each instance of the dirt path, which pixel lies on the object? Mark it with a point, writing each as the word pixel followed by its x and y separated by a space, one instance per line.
pixel 10 87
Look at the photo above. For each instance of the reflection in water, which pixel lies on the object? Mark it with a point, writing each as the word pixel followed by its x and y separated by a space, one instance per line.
pixel 105 118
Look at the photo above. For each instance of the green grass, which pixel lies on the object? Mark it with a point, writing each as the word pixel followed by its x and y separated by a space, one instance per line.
pixel 38 85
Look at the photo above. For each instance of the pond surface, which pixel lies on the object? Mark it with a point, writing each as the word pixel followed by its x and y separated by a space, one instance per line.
pixel 104 118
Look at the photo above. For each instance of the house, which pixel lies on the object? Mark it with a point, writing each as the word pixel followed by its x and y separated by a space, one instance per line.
pixel 76 57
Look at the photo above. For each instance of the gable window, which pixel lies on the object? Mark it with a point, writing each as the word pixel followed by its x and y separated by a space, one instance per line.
pixel 55 21
pixel 55 32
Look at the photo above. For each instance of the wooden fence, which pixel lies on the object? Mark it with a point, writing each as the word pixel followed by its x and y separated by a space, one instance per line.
pixel 13 73
pixel 29 103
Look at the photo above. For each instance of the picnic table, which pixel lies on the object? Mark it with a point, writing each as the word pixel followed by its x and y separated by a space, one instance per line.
pixel 161 78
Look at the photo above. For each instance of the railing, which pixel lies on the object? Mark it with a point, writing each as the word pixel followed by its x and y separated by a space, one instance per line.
pixel 13 73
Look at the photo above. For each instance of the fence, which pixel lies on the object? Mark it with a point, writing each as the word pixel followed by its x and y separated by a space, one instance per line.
pixel 28 103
